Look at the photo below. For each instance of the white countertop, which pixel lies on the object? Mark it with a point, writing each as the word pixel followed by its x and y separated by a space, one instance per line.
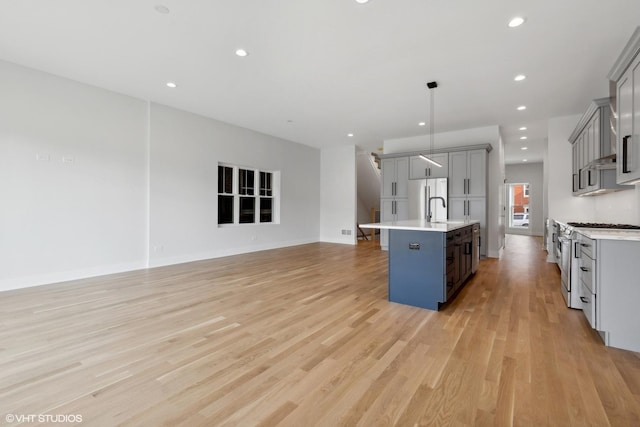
pixel 420 225
pixel 605 233
pixel 609 234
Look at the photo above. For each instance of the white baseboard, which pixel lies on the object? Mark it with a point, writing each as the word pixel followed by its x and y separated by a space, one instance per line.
pixel 65 276
pixel 57 277
pixel 180 259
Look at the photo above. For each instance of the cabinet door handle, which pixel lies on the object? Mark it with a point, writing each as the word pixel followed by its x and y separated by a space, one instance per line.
pixel 576 252
pixel 584 269
pixel 579 179
pixel 625 154
pixel 573 184
pixel 479 241
pixel 589 183
pixel 584 300
pixel 426 171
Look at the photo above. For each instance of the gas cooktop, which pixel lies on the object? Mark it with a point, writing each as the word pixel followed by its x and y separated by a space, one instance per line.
pixel 602 225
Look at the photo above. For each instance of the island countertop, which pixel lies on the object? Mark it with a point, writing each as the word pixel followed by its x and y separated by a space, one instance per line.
pixel 420 225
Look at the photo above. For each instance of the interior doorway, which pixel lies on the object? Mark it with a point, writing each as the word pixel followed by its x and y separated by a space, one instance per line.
pixel 518 207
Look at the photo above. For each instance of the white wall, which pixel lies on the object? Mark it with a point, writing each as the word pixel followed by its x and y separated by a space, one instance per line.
pixel 72 179
pixel 338 194
pixel 621 207
pixel 185 151
pixel 91 179
pixel 563 205
pixel 531 173
pixel 495 165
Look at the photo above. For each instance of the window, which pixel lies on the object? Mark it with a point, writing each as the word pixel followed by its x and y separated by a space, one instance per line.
pixel 225 195
pixel 246 196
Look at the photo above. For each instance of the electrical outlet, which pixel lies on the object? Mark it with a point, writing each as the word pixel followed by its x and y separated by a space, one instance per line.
pixel 43 157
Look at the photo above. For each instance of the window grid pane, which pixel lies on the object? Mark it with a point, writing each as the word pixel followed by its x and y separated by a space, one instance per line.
pixel 247 210
pixel 247 182
pixel 266 209
pixel 265 184
pixel 225 209
pixel 225 179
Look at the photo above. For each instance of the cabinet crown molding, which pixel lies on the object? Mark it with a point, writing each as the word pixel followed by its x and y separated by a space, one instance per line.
pixel 595 105
pixel 626 56
pixel 487 147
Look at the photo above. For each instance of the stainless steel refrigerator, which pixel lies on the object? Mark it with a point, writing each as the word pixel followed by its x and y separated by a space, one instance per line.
pixel 420 191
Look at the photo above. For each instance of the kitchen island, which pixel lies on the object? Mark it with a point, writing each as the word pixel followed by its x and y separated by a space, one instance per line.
pixel 429 261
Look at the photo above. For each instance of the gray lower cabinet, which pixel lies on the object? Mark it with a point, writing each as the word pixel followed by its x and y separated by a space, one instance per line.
pixel 609 289
pixel 392 210
pixel 427 268
pixel 471 208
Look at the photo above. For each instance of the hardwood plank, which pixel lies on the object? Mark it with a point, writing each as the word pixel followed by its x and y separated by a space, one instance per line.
pixel 306 336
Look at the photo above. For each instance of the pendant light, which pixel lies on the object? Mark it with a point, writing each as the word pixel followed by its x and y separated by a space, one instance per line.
pixel 431 86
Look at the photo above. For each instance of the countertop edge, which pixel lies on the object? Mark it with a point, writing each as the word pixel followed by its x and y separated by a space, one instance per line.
pixel 434 227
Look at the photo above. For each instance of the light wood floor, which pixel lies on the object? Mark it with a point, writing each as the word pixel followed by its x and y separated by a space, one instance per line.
pixel 305 336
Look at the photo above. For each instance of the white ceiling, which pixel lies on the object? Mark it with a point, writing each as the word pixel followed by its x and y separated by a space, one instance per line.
pixel 320 69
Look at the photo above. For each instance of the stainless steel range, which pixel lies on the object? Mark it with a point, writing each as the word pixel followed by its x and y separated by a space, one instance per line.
pixel 567 252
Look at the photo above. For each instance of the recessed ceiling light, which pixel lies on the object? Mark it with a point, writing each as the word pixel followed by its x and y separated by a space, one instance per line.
pixel 523 128
pixel 524 160
pixel 242 52
pixel 523 137
pixel 523 148
pixel 362 1
pixel 160 8
pixel 516 22
pixel 522 107
pixel 422 124
pixel 172 85
pixel 350 135
pixel 519 77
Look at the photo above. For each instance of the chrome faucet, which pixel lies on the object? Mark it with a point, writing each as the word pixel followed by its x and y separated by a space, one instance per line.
pixel 444 205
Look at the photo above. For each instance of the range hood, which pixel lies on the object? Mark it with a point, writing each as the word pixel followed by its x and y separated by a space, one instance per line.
pixel 603 163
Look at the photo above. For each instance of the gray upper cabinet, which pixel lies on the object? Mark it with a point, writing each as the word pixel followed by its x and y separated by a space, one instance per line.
pixel 468 173
pixel 592 141
pixel 466 170
pixel 395 177
pixel 419 168
pixel 394 203
pixel 468 189
pixel 626 75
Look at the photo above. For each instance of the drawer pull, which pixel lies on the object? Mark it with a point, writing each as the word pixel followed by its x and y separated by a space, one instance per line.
pixel 584 300
pixel 584 269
